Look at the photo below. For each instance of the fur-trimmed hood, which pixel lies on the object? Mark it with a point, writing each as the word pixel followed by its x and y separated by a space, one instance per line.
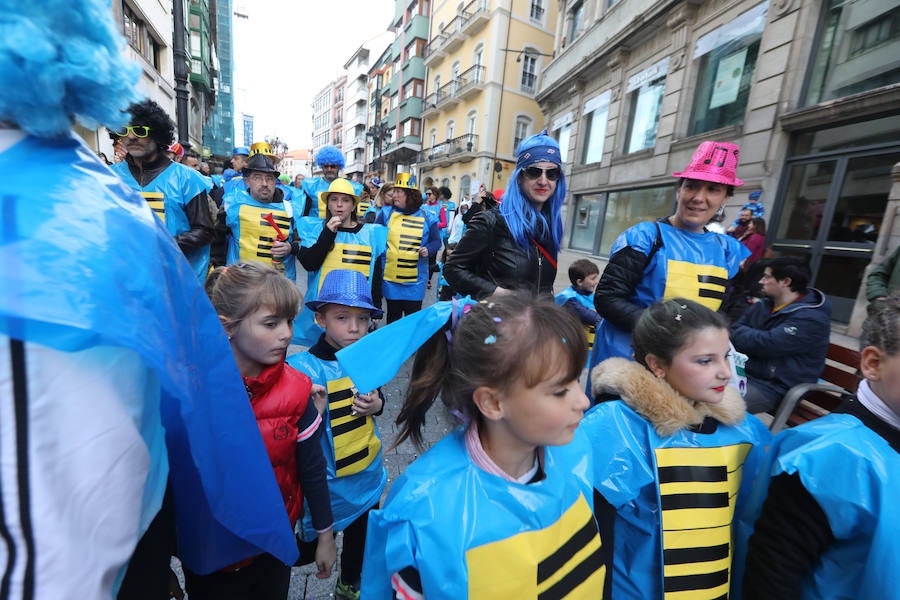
pixel 655 400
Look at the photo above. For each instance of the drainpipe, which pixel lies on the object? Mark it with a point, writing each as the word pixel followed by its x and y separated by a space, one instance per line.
pixel 181 59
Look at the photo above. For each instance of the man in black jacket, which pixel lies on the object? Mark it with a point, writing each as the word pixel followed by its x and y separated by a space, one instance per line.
pixel 785 336
pixel 176 193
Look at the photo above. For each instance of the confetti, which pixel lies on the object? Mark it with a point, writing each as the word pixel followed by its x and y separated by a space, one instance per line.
pixel 498 320
pixel 491 339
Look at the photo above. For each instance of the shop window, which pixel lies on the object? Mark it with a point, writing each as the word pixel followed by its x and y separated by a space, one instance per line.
pixel 596 113
pixel 563 136
pixel 643 115
pixel 727 60
pixel 857 49
pixel 626 208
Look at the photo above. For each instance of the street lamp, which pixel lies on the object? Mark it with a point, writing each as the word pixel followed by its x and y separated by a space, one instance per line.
pixel 380 137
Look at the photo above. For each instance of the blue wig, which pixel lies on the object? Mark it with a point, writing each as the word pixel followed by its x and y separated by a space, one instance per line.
pixel 524 222
pixel 330 155
pixel 62 61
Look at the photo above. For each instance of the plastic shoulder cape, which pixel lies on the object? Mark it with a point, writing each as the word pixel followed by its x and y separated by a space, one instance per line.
pixel 471 534
pixel 662 487
pixel 84 261
pixel 854 475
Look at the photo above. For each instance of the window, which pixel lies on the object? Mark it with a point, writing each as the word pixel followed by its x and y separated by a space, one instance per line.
pixel 596 113
pixel 562 132
pixel 537 11
pixel 645 92
pixel 857 50
pixel 529 73
pixel 576 20
pixel 451 125
pixel 478 55
pixel 139 37
pixel 727 61
pixel 465 186
pixel 600 218
pixel 472 122
pixel 432 138
pixel 522 129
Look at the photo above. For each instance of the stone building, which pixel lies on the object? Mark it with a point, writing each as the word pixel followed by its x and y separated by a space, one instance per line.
pixel 809 89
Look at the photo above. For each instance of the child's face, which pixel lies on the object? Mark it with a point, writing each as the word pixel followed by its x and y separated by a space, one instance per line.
pixel 883 373
pixel 343 324
pixel 260 340
pixel 341 206
pixel 700 369
pixel 589 283
pixel 544 415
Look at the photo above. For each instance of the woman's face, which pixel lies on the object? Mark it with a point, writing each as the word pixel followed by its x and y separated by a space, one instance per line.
pixel 400 198
pixel 538 182
pixel 698 202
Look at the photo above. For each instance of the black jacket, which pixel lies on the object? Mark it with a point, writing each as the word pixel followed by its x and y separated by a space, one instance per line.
pixel 488 257
pixel 788 347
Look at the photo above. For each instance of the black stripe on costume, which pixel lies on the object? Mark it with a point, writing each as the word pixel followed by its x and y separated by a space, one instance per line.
pixel 712 279
pixel 719 295
pixel 685 556
pixel 692 473
pixel 679 501
pixel 20 405
pixel 556 561
pixel 703 581
pixel 363 252
pixel 347 427
pixel 350 459
pixel 347 260
pixel 575 577
pixel 339 412
pixel 339 395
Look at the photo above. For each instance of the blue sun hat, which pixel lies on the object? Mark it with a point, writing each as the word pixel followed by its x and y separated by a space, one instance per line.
pixel 348 288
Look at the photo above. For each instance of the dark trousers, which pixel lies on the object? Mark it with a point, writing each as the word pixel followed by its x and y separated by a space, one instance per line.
pixel 351 552
pixel 266 578
pixel 400 308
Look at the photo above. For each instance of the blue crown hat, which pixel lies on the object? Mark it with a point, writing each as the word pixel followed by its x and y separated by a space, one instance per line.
pixel 241 151
pixel 347 288
pixel 537 148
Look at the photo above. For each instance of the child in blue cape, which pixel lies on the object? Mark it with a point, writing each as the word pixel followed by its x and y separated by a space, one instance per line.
pixel 356 473
pixel 578 298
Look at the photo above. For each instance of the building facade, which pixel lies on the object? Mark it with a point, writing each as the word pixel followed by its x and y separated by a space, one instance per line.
pixel 328 115
pixel 218 136
pixel 809 89
pixel 484 62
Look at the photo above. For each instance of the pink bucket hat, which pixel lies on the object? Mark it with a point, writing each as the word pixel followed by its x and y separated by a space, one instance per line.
pixel 714 161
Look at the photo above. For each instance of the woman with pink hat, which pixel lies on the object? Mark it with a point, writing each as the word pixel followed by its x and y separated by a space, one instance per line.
pixel 675 256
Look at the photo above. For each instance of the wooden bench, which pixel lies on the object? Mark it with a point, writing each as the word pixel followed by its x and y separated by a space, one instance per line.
pixel 810 401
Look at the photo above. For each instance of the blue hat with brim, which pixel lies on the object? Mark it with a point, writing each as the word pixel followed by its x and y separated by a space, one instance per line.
pixel 347 288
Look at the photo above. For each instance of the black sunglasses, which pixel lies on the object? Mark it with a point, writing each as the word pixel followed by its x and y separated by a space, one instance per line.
pixel 552 174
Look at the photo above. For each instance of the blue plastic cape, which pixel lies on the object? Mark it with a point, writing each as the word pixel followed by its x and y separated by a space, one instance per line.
pixel 252 237
pixel 471 534
pixel 707 477
pixel 853 474
pixel 167 194
pixel 405 271
pixel 394 343
pixel 689 265
pixel 84 263
pixel 356 492
pixel 590 331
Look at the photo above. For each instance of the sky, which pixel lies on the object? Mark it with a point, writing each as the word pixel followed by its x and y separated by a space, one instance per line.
pixel 288 50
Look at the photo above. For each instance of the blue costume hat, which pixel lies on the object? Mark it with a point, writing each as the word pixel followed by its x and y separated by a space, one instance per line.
pixel 62 61
pixel 241 151
pixel 330 155
pixel 347 288
pixel 538 148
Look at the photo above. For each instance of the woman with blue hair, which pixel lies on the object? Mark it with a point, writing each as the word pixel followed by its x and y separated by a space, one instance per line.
pixel 514 246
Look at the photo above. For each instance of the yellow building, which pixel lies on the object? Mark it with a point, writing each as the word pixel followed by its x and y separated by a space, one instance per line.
pixel 484 59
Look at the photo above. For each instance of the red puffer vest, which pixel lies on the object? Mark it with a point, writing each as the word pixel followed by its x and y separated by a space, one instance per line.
pixel 279 396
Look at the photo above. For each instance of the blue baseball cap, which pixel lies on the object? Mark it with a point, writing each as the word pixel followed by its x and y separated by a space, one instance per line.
pixel 241 151
pixel 347 288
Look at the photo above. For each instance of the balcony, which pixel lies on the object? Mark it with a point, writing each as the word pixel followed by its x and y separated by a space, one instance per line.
pixel 459 149
pixel 434 51
pixel 446 96
pixel 429 105
pixel 477 16
pixel 453 31
pixel 470 82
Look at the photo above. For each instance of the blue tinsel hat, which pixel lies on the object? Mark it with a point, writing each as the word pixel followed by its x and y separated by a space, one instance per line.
pixel 63 61
pixel 347 288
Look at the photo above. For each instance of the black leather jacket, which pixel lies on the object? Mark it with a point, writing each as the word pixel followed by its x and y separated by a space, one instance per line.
pixel 488 257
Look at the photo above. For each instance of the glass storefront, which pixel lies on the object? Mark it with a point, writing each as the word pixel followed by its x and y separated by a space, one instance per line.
pixel 833 196
pixel 599 218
